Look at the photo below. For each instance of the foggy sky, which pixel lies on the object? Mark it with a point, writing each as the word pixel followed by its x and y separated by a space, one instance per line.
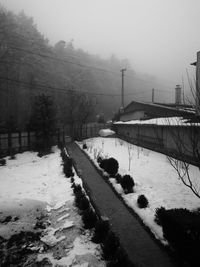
pixel 159 37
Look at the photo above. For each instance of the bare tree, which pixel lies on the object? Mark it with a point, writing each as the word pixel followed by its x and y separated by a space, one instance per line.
pixel 187 150
pixel 78 108
pixel 130 154
pixel 186 141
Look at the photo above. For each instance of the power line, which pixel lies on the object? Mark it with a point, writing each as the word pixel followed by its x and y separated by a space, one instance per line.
pixel 66 91
pixel 76 63
pixel 62 60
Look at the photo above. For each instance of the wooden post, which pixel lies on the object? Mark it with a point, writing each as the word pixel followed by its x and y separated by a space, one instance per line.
pixel 90 131
pixel 86 130
pixel 58 135
pixel 29 139
pixel 20 141
pixel 9 142
pixel 63 135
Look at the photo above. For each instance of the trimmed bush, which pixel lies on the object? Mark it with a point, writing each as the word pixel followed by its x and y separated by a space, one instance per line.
pixel 77 189
pixel 181 228
pixel 2 162
pixel 127 184
pixel 142 202
pixel 60 144
pixel 84 146
pixel 12 156
pixel 63 154
pixel 110 165
pixel 110 246
pixel 67 167
pixel 84 203
pixel 118 178
pixel 160 215
pixel 101 231
pixel 81 201
pixel 89 218
pixel 99 159
pixel 103 163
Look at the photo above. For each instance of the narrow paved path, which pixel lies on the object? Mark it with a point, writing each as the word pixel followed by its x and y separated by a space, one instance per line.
pixel 137 242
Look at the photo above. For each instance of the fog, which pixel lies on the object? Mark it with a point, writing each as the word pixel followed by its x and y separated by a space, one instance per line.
pixel 159 37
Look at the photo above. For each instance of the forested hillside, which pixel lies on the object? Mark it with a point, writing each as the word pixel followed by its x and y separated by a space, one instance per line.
pixel 81 85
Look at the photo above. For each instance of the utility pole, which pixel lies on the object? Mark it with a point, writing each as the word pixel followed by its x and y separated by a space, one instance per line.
pixel 153 90
pixel 122 71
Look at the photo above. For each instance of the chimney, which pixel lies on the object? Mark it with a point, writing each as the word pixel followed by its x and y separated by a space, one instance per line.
pixel 178 95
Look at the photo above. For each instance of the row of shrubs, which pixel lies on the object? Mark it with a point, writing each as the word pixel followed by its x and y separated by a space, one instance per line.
pixel 111 166
pixel 67 164
pixel 181 228
pixel 112 252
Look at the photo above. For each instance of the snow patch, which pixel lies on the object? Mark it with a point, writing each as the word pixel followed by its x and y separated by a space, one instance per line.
pixel 106 132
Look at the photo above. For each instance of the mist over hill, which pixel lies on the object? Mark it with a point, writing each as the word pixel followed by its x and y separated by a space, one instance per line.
pixel 30 66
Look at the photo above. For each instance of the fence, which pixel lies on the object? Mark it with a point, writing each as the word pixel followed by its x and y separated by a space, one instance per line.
pixel 22 141
pixel 11 142
pixel 176 141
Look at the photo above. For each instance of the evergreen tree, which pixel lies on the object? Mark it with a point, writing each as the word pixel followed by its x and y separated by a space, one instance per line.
pixel 43 121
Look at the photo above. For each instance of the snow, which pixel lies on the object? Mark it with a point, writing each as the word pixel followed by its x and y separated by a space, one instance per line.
pixel 32 187
pixel 166 121
pixel 106 132
pixel 153 175
pixel 63 217
pixel 81 251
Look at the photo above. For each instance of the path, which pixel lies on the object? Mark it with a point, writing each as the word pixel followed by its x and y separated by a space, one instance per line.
pixel 137 242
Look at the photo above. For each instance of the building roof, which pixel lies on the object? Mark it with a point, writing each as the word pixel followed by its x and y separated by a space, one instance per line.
pixel 157 110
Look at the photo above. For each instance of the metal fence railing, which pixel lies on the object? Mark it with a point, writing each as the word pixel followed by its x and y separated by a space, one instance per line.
pixel 22 141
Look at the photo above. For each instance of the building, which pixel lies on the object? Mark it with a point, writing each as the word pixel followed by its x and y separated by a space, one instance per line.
pixel 172 129
pixel 143 111
pixel 197 93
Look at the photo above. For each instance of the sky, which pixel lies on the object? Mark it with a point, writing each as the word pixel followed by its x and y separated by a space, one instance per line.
pixel 159 37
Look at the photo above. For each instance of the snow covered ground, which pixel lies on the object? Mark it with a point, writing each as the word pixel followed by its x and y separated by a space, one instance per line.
pixel 153 175
pixel 32 188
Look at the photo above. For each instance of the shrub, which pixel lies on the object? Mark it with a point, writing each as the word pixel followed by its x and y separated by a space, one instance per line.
pixel 118 178
pixel 89 218
pixel 60 144
pixel 103 163
pixel 99 159
pixel 84 146
pixel 12 156
pixel 181 228
pixel 110 246
pixel 160 215
pixel 110 166
pixel 142 202
pixel 67 167
pixel 77 188
pixel 84 203
pixel 63 154
pixel 127 183
pixel 81 201
pixel 79 195
pixel 101 230
pixel 72 180
pixel 2 162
